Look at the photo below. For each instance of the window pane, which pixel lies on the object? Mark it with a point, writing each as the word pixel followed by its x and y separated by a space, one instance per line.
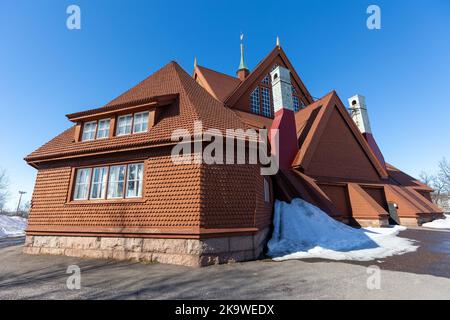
pixel 134 180
pixel 89 131
pixel 266 109
pixel 116 181
pixel 124 125
pixel 254 101
pixel 140 122
pixel 103 129
pixel 82 184
pixel 98 187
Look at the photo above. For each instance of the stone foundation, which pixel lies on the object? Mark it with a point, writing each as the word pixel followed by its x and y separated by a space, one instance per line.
pixel 188 252
pixel 363 223
pixel 418 221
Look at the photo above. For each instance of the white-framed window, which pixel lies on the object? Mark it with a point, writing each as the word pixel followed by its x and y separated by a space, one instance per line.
pixel 98 184
pixel 134 180
pixel 116 181
pixel 89 129
pixel 266 191
pixel 103 129
pixel 266 108
pixel 140 122
pixel 254 101
pixel 82 180
pixel 124 124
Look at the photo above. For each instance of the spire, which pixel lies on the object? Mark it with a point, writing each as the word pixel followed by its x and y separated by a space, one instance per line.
pixel 195 62
pixel 278 41
pixel 242 70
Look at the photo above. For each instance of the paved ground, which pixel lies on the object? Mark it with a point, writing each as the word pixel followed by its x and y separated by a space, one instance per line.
pixel 424 274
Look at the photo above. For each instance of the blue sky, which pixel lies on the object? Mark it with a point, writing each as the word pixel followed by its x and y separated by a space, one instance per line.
pixel 47 71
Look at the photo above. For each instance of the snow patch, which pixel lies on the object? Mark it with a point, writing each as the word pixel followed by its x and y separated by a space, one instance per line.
pixel 302 230
pixel 12 226
pixel 439 223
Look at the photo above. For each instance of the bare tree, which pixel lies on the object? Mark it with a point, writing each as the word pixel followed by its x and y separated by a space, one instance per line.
pixel 440 196
pixel 426 178
pixel 3 189
pixel 444 173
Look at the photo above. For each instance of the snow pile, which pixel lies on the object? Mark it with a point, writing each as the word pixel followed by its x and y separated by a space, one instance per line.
pixel 12 226
pixel 439 223
pixel 302 230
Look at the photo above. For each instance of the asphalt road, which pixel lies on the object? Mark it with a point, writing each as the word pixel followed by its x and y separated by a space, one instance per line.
pixel 424 274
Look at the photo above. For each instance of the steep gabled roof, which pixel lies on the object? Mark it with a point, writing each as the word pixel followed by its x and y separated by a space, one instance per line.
pixel 258 71
pixel 406 180
pixel 218 84
pixel 312 129
pixel 194 103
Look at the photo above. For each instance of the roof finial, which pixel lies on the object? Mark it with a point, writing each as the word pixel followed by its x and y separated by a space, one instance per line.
pixel 195 62
pixel 242 65
pixel 278 41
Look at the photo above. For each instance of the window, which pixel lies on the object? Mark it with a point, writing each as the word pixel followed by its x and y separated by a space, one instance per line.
pixel 98 185
pixel 266 108
pixel 82 184
pixel 103 129
pixel 266 191
pixel 124 125
pixel 254 101
pixel 109 182
pixel 140 122
pixel 116 181
pixel 266 80
pixel 296 103
pixel 134 180
pixel 89 129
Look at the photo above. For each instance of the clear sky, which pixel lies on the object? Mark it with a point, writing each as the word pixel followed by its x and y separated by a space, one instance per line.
pixel 47 70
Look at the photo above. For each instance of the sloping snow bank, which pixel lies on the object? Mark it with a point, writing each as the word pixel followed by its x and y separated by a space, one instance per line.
pixel 302 230
pixel 439 223
pixel 12 226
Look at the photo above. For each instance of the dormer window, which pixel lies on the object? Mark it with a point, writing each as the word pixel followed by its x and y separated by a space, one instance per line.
pixel 103 129
pixel 124 125
pixel 89 130
pixel 140 122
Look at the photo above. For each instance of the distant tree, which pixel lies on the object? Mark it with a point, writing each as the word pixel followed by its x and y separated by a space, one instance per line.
pixel 25 209
pixel 440 182
pixel 444 173
pixel 3 189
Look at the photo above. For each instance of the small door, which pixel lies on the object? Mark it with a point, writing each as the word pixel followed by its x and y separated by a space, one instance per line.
pixel 393 216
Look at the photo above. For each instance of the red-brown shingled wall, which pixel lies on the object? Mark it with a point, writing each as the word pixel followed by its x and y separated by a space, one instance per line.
pixel 171 198
pixel 175 197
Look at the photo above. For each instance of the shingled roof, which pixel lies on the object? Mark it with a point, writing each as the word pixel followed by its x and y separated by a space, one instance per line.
pixel 194 103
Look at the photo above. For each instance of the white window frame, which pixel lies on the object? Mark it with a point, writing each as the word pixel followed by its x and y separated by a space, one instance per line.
pixel 119 126
pixel 137 181
pixel 84 184
pixel 91 133
pixel 115 183
pixel 106 129
pixel 143 121
pixel 102 183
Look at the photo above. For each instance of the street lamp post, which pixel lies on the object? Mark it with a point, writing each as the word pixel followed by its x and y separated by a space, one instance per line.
pixel 20 199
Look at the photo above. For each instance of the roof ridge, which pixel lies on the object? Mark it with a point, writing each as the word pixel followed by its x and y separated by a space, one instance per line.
pixel 219 72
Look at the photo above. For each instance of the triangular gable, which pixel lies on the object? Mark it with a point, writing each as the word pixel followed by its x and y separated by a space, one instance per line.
pixel 219 85
pixel 277 55
pixel 332 108
pixel 363 205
